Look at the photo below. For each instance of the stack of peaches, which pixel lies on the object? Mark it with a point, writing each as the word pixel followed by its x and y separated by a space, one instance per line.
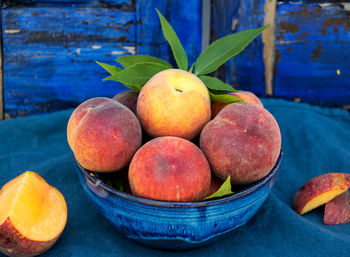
pixel 176 144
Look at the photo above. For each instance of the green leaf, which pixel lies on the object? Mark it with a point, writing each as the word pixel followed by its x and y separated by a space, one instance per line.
pixel 224 98
pixel 215 84
pixel 129 60
pixel 109 68
pixel 191 69
pixel 137 75
pixel 223 49
pixel 174 42
pixel 225 189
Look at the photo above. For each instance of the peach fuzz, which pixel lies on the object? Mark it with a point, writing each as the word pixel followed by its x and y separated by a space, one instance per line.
pixel 127 98
pixel 320 190
pixel 33 215
pixel 337 211
pixel 246 96
pixel 243 141
pixel 174 103
pixel 170 169
pixel 103 134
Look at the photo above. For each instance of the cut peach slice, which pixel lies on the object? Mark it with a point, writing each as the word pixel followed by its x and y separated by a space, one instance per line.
pixel 320 190
pixel 337 211
pixel 33 215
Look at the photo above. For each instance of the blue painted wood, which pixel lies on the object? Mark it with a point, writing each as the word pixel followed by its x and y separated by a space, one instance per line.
pixel 184 16
pixel 312 46
pixel 246 70
pixel 56 3
pixel 49 55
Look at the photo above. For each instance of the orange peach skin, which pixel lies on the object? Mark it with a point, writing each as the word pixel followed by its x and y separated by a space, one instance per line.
pixel 337 211
pixel 128 98
pixel 103 134
pixel 319 190
pixel 32 217
pixel 174 103
pixel 246 96
pixel 170 169
pixel 243 141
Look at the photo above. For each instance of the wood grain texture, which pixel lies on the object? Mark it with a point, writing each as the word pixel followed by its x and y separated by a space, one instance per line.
pixel 184 16
pixel 245 71
pixel 1 76
pixel 49 55
pixel 312 54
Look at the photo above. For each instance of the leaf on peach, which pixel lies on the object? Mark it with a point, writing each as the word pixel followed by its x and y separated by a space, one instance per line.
pixel 109 68
pixel 223 97
pixel 221 50
pixel 135 76
pixel 225 189
pixel 130 60
pixel 215 84
pixel 174 42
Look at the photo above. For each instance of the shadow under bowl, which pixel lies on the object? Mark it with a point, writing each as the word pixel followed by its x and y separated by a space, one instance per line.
pixel 176 225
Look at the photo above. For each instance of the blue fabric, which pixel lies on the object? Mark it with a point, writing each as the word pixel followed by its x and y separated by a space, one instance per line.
pixel 315 141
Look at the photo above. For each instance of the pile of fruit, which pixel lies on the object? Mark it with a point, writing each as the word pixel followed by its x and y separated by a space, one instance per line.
pixel 242 141
pixel 178 134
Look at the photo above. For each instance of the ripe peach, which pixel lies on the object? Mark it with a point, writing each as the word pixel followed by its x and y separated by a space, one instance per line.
pixel 103 134
pixel 174 103
pixel 246 96
pixel 320 190
pixel 337 211
pixel 33 215
pixel 128 98
pixel 170 169
pixel 243 141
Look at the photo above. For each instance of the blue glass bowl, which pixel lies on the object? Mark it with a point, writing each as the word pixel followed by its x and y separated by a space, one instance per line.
pixel 176 225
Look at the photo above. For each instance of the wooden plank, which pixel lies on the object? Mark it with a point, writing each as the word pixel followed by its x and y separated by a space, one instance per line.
pixel 49 55
pixel 1 76
pixel 184 16
pixel 312 49
pixel 245 71
pixel 57 3
pixel 268 38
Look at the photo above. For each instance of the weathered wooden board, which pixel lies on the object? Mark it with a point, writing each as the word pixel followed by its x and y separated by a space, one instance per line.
pixel 49 55
pixel 245 71
pixel 313 54
pixel 184 16
pixel 50 47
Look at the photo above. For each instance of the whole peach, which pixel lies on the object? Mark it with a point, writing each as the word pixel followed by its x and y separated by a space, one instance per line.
pixel 103 134
pixel 170 169
pixel 243 141
pixel 246 96
pixel 127 98
pixel 174 103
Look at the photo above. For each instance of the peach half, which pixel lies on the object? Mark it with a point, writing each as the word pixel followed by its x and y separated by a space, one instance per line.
pixel 174 103
pixel 33 215
pixel 320 190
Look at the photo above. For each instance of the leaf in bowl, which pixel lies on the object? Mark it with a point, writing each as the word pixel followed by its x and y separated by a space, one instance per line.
pixel 224 190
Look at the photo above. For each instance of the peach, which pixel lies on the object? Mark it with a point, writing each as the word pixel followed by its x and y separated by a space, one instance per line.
pixel 320 190
pixel 33 215
pixel 170 169
pixel 337 211
pixel 243 141
pixel 174 103
pixel 215 184
pixel 246 96
pixel 103 134
pixel 128 98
